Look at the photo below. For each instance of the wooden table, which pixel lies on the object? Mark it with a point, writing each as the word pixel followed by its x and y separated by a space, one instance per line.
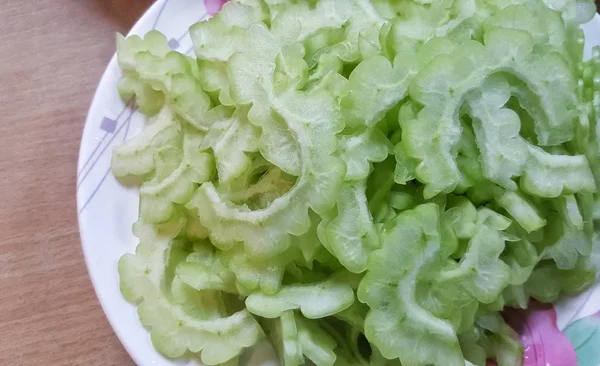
pixel 52 53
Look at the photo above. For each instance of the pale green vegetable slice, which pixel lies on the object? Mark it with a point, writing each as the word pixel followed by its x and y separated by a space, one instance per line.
pixel 375 86
pixel 296 338
pixel 266 231
pixel 568 241
pixel 159 196
pixel 358 38
pixel 308 243
pixel 284 335
pixel 204 270
pixel 144 277
pixel 316 344
pixel 231 140
pixel 522 210
pixel 350 235
pixel 503 151
pixel 136 155
pixel 156 76
pixel 213 78
pixel 291 70
pixel 253 274
pixel 522 258
pixel 300 20
pixel 397 324
pixel 405 166
pixel 279 146
pixel 153 42
pixel 482 257
pixel 360 149
pixel 550 175
pixel 316 300
pixel 564 281
pixel 443 83
pixel 188 100
pixel 462 218
pixel 223 35
pixel 405 170
pixel 148 100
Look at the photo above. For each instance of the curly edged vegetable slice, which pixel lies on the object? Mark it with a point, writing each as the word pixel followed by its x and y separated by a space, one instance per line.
pixel 300 20
pixel 544 24
pixel 160 195
pixel 214 81
pixel 361 148
pixel 425 20
pixel 224 34
pixel 311 122
pixel 350 235
pixel 564 281
pixel 568 241
pixel 204 269
pixel 231 140
pixel 550 176
pixel 525 213
pixel 356 40
pixel 278 146
pixel 397 324
pixel 296 338
pixel 317 345
pixel 575 11
pixel 147 99
pixel 461 217
pixel 443 84
pixel 522 257
pixel 482 258
pixel 153 42
pixel 187 98
pixel 316 300
pixel 480 275
pixel 252 274
pixel 311 117
pixel 146 278
pixel 405 165
pixel 544 174
pixel 283 333
pixel 503 151
pixel 448 297
pixel 156 76
pixel 136 155
pixel 375 87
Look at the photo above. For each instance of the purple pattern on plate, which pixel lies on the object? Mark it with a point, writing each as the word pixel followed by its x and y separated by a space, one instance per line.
pixel 173 44
pixel 108 125
pixel 213 6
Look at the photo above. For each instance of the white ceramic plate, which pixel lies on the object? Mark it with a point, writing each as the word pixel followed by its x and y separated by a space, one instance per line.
pixel 107 209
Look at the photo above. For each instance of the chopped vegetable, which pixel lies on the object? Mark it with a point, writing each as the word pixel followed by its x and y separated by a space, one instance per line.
pixel 364 182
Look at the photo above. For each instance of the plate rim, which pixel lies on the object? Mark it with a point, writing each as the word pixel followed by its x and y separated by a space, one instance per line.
pixel 96 100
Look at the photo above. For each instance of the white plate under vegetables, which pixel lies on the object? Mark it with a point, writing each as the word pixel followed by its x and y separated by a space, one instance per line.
pixel 362 182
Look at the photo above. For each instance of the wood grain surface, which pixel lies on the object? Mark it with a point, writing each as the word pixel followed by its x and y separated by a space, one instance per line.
pixel 52 54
